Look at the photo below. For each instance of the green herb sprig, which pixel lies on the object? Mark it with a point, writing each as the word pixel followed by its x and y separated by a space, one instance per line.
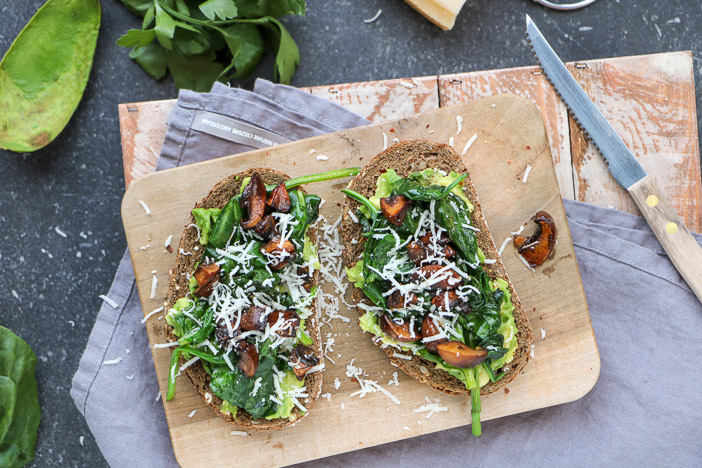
pixel 203 41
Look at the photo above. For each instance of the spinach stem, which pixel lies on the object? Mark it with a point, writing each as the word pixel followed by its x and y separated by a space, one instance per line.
pixel 175 359
pixel 329 175
pixel 450 187
pixel 363 200
pixel 475 403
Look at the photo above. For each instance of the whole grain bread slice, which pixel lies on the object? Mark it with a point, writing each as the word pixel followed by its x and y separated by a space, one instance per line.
pixel 411 156
pixel 189 253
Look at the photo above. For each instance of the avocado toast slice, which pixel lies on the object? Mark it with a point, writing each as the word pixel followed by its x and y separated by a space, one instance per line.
pixel 242 300
pixel 430 285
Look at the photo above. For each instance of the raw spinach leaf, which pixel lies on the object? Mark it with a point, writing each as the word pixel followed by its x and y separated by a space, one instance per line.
pixel 19 401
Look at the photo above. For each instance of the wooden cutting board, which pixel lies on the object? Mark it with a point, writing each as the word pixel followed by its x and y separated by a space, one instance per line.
pixel 510 137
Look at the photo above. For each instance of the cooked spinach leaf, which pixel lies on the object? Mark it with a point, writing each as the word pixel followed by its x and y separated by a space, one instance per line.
pixel 235 387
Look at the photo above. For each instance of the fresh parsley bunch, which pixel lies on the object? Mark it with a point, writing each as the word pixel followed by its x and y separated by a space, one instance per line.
pixel 203 41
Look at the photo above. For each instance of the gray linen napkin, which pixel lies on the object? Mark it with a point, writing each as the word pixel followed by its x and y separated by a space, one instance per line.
pixel 643 410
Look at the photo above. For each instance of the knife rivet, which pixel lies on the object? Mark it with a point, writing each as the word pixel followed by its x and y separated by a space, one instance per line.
pixel 652 200
pixel 671 228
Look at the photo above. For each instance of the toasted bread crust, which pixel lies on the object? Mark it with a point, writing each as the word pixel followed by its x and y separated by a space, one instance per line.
pixel 178 287
pixel 417 155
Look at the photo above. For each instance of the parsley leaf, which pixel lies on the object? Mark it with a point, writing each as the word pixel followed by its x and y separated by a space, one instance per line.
pixel 247 48
pixel 224 9
pixel 137 38
pixel 218 40
pixel 196 72
pixel 152 59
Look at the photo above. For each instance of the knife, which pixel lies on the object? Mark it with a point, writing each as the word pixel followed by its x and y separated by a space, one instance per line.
pixel 682 249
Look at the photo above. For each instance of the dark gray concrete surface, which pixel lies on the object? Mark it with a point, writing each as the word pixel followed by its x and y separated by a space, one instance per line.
pixel 76 183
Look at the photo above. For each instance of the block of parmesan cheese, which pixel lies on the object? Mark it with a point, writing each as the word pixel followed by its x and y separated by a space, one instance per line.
pixel 440 12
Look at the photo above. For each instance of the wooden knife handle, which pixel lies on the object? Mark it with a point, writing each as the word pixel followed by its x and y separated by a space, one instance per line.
pixel 682 249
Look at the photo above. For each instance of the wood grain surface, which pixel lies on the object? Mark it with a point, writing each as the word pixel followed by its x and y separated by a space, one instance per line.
pixel 649 99
pixel 565 365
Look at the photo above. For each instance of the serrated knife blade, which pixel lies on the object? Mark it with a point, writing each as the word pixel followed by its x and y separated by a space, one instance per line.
pixel 622 163
pixel 681 247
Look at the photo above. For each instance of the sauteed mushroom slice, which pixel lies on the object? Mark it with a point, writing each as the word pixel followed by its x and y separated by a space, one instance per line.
pixel 460 354
pixel 449 279
pixel 537 248
pixel 394 208
pixel 248 358
pixel 285 322
pixel 399 332
pixel 253 319
pixel 429 329
pixel 206 275
pixel 253 199
pixel 444 239
pixel 279 199
pixel 275 249
pixel 265 227
pixel 222 333
pixel 447 301
pixel 397 301
pixel 302 359
pixel 416 252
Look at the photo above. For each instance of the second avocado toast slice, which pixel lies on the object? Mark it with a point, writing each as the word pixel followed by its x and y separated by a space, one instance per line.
pixel 430 283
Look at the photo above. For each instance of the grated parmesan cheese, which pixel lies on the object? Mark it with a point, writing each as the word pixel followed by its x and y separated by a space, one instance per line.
pixel 523 260
pixel 367 385
pixel 170 344
pixel 431 408
pixel 148 316
pixel 154 285
pixel 192 413
pixel 112 362
pixel 394 380
pixel 526 174
pixel 112 303
pixel 146 207
pixel 469 143
pixel 459 124
pixel 543 334
pixel 385 141
pixel 60 232
pixel 322 157
pixel 239 433
pixel 504 244
pixel 374 18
